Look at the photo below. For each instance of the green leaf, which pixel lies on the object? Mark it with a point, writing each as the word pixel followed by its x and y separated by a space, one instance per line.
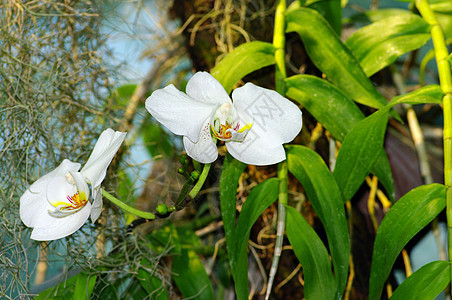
pixel 190 276
pixel 371 16
pixel 84 286
pixel 122 96
pixel 445 19
pixel 407 217
pixel 164 237
pixel 382 169
pixel 379 44
pixel 156 140
pixel 152 284
pixel 79 286
pixel 323 101
pixel 243 60
pixel 359 151
pixel 427 94
pixel 312 254
pixel 260 197
pixel 443 6
pixel 332 57
pixel 425 283
pixel 323 193
pixel 331 10
pixel 332 108
pixel 230 174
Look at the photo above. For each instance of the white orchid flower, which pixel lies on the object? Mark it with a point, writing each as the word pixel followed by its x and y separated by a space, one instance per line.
pixel 254 126
pixel 57 204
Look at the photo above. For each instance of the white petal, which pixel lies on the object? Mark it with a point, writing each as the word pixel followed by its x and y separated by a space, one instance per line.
pixel 61 227
pixel 276 121
pixel 34 206
pixel 256 151
pixel 178 112
pixel 105 149
pixel 205 88
pixel 205 150
pixel 96 208
pixel 275 118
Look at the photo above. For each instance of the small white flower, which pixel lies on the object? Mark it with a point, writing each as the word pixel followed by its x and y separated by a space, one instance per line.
pixel 57 204
pixel 254 126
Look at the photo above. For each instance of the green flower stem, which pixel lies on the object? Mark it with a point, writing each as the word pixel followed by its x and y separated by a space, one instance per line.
pixel 279 41
pixel 280 226
pixel 130 209
pixel 444 71
pixel 282 175
pixel 201 180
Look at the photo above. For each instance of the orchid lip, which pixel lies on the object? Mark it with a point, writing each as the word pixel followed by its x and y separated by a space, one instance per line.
pixel 225 127
pixel 228 133
pixel 70 199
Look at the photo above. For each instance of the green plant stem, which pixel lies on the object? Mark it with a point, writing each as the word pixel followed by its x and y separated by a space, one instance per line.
pixel 280 226
pixel 130 209
pixel 201 180
pixel 279 41
pixel 444 71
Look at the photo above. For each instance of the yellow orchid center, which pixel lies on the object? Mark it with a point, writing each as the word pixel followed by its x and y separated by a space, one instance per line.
pixel 75 202
pixel 67 194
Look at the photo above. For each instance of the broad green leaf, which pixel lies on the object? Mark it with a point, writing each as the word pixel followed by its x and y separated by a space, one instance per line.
pixel 156 140
pixel 425 283
pixel 332 108
pixel 382 169
pixel 243 60
pixel 443 6
pixel 427 94
pixel 124 192
pixel 230 174
pixel 133 291
pixel 371 16
pixel 312 254
pixel 379 44
pixel 190 276
pixel 260 197
pixel 407 217
pixel 122 95
pixel 443 12
pixel 358 153
pixel 445 19
pixel 331 10
pixel 324 101
pixel 332 57
pixel 325 197
pixel 84 286
pixel 152 284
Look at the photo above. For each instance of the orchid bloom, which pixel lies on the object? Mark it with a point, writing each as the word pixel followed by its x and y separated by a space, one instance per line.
pixel 254 126
pixel 57 204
